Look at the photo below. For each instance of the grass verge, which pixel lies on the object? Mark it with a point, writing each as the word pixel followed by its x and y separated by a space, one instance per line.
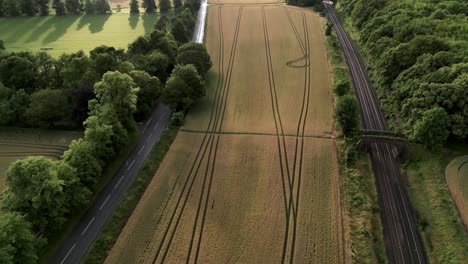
pixel 443 232
pixel 113 227
pixel 54 241
pixel 365 235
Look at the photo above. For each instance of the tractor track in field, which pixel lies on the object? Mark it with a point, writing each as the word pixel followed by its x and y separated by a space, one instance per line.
pixel 34 145
pixel 290 205
pixel 275 110
pixel 217 106
pixel 305 101
pixel 226 88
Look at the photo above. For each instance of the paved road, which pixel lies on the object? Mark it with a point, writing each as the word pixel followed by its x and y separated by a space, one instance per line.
pixel 403 242
pixel 75 246
pixel 78 242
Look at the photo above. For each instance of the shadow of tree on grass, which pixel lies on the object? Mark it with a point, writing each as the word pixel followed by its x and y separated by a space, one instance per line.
pixel 61 24
pixel 149 21
pixel 95 22
pixel 133 20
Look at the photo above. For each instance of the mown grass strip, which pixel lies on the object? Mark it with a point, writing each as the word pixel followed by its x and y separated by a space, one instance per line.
pixel 114 226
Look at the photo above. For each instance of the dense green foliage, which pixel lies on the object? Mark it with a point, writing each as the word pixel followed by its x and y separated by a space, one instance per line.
pixel 104 91
pixel 195 54
pixel 18 244
pixel 418 57
pixel 346 112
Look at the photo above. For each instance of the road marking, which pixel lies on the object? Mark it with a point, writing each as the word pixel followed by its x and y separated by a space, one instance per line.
pixel 141 149
pixel 84 231
pixel 157 124
pixel 68 253
pixel 100 208
pixel 131 164
pixel 121 178
pixel 149 121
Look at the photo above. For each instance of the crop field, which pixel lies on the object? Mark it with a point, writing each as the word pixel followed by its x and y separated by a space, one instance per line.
pixel 17 143
pixel 253 175
pixel 456 174
pixel 59 34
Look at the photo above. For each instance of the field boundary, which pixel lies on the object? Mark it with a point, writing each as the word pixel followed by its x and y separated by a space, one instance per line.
pixel 247 133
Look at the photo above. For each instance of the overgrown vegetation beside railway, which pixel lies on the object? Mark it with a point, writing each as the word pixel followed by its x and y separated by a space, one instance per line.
pixel 417 58
pixel 365 237
pixel 416 55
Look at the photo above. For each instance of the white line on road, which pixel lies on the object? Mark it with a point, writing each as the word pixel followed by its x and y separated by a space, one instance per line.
pixel 142 147
pixel 68 254
pixel 100 208
pixel 121 178
pixel 84 231
pixel 131 164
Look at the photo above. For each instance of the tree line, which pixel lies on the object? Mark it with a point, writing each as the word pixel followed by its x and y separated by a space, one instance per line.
pixel 418 60
pixel 115 87
pixel 14 8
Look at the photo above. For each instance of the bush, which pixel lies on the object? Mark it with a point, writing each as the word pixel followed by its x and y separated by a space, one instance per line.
pixel 178 119
pixel 341 87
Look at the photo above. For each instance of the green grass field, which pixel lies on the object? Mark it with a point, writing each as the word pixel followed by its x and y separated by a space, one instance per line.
pixel 70 33
pixel 456 175
pixel 17 143
pixel 442 229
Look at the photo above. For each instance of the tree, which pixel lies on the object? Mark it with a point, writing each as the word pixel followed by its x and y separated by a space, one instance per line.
pixel 134 7
pixel 188 20
pixel 103 63
pixel 196 54
pixel 59 7
pixel 183 87
pixel 432 128
pixel 43 7
pixel 139 46
pixel 19 102
pixel 18 73
pixel 47 106
pixel 164 6
pixel 2 46
pixel 28 7
pixel 155 63
pixel 81 155
pixel 101 136
pixel 90 7
pixel 190 6
pixel 18 245
pixel 161 24
pixel 150 88
pixel 119 91
pixel 149 5
pixel 102 6
pixel 346 113
pixel 177 4
pixel 179 31
pixel 11 7
pixel 341 87
pixel 73 6
pixel 36 189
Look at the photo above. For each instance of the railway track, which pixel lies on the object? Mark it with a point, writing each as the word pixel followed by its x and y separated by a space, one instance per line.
pixel 403 242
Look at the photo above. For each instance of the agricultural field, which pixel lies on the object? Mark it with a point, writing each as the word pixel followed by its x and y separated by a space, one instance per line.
pixel 59 34
pixel 456 175
pixel 253 175
pixel 17 143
